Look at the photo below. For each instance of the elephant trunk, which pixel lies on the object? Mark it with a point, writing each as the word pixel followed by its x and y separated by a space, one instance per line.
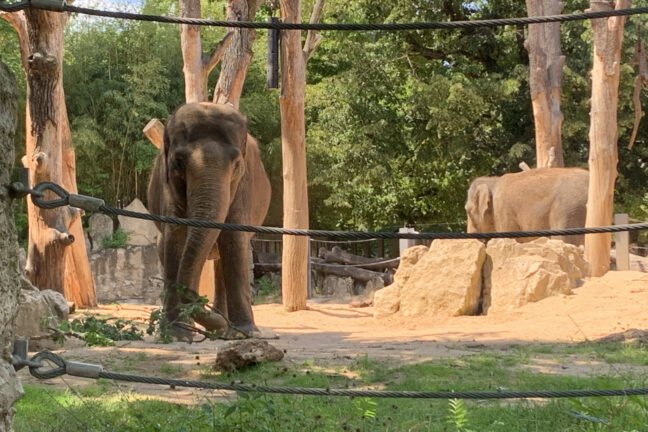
pixel 207 199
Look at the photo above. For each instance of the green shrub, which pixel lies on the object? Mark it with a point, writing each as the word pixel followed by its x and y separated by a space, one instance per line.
pixel 116 240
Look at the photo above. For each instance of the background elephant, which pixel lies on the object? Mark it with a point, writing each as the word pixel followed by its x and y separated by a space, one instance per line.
pixel 545 198
pixel 209 168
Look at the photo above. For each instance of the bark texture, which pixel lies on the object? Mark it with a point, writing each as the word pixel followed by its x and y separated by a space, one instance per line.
pixel 55 261
pixel 238 53
pixel 10 388
pixel 293 145
pixel 603 135
pixel 545 77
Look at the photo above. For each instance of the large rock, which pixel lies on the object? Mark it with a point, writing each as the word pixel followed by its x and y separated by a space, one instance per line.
pixel 387 300
pixel 140 232
pixel 100 226
pixel 38 311
pixel 446 280
pixel 518 273
pixel 238 354
pixel 131 274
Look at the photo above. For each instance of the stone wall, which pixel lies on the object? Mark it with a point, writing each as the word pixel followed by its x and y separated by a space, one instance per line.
pixel 132 274
pixel 10 388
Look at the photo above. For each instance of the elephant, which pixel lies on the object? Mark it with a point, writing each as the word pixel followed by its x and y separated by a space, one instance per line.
pixel 209 168
pixel 536 199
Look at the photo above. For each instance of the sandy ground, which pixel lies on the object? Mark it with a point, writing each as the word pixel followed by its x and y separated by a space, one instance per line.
pixel 336 334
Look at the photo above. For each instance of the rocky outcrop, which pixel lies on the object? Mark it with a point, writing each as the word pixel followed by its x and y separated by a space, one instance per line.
pixel 519 273
pixel 463 277
pixel 446 280
pixel 131 274
pixel 10 388
pixel 140 232
pixel 387 300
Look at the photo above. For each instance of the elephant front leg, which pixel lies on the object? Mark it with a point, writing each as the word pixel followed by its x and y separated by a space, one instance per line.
pixel 234 249
pixel 169 247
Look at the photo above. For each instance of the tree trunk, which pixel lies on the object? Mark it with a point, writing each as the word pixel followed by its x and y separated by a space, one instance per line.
pixel 608 38
pixel 356 273
pixel 49 157
pixel 545 77
pixel 293 144
pixel 10 387
pixel 238 54
pixel 192 57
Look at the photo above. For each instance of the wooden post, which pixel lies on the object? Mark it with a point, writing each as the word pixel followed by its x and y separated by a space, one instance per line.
pixel 545 78
pixel 603 158
pixel 294 278
pixel 622 243
pixel 293 142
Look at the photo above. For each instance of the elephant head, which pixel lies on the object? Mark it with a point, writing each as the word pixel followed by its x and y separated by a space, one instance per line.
pixel 479 205
pixel 204 161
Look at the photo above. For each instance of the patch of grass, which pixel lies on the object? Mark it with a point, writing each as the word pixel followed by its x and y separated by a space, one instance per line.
pixel 171 369
pixel 268 291
pixel 488 371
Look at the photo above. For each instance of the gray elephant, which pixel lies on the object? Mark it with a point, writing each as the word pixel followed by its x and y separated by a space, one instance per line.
pixel 209 168
pixel 545 198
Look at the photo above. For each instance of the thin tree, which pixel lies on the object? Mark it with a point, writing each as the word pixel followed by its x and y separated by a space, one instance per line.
pixel 603 135
pixel 545 78
pixel 54 260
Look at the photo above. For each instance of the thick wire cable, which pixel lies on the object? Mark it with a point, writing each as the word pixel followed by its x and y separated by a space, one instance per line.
pixel 233 386
pixel 62 7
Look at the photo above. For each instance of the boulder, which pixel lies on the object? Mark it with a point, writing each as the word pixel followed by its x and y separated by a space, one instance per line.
pixel 140 232
pixel 518 273
pixel 387 300
pixel 238 354
pixel 446 280
pixel 100 226
pixel 132 274
pixel 38 311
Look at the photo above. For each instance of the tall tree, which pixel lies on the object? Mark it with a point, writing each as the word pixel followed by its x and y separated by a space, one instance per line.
pixel 603 135
pixel 545 77
pixel 54 259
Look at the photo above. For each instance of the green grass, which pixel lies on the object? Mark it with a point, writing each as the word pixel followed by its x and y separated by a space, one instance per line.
pixel 100 409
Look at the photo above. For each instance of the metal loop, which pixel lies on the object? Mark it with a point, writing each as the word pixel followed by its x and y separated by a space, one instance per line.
pixel 42 356
pixel 40 188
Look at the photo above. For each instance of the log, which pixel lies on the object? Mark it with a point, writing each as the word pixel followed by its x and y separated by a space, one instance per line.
pixel 337 255
pixel 356 273
pixel 154 131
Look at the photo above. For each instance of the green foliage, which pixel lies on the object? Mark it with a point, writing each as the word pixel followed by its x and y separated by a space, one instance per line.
pixel 117 239
pixel 267 287
pixel 457 415
pixel 98 332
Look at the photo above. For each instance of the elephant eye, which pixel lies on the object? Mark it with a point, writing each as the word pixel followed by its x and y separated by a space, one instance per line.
pixel 179 164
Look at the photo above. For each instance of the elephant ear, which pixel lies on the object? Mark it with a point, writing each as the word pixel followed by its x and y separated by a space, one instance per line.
pixel 484 200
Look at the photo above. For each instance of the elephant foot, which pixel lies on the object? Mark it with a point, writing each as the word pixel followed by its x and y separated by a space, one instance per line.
pixel 181 334
pixel 244 331
pixel 212 321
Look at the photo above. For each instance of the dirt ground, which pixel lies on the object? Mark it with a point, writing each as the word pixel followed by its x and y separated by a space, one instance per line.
pixel 336 334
